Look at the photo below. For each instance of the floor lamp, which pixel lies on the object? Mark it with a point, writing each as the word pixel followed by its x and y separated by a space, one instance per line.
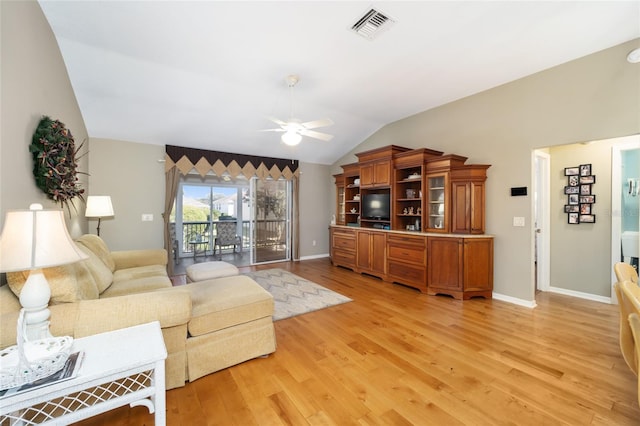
pixel 32 240
pixel 99 206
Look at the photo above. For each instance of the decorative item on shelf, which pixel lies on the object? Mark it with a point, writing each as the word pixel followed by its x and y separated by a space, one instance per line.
pixel 99 206
pixel 356 182
pixel 414 176
pixel 353 210
pixel 31 240
pixel 440 208
pixel 55 161
pixel 405 211
pixel 356 197
pixel 419 210
pixel 410 210
pixel 411 193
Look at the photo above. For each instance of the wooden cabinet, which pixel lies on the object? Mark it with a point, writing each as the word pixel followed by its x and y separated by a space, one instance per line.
pixel 437 202
pixel 371 252
pixel 375 174
pixel 428 191
pixel 407 260
pixel 468 199
pixel 376 166
pixel 351 193
pixel 460 267
pixel 340 199
pixel 436 207
pixel 343 247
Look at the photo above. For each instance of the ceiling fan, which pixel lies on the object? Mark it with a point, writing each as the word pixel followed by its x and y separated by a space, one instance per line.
pixel 293 129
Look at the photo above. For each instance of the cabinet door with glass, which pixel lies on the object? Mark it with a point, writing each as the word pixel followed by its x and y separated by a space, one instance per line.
pixel 437 203
pixel 340 194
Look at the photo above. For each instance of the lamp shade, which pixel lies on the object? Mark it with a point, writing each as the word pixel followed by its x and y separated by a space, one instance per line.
pixel 99 206
pixel 36 238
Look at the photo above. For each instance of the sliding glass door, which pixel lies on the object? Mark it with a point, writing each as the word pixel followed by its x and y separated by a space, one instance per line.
pixel 270 220
pixel 260 210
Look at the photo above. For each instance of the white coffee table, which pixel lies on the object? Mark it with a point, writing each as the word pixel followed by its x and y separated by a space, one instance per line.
pixel 120 367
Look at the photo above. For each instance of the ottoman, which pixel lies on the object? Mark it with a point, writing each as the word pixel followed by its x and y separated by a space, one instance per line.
pixel 231 322
pixel 209 270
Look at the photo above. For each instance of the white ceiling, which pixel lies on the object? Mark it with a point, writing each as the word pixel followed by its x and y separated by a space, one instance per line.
pixel 206 74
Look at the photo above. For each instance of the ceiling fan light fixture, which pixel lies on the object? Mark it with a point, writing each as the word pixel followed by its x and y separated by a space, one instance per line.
pixel 291 138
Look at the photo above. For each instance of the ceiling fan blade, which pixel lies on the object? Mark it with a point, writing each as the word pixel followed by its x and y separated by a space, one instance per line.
pixel 272 130
pixel 316 135
pixel 278 121
pixel 317 123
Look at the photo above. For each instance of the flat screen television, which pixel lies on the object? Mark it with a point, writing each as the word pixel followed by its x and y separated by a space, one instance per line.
pixel 376 206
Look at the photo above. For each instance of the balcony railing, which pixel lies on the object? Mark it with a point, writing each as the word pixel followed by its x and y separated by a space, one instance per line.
pixel 268 233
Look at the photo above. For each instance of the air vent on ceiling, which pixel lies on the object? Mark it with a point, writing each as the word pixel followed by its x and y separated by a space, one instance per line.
pixel 372 23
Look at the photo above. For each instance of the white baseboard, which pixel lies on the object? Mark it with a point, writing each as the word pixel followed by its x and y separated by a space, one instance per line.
pixel 314 256
pixel 581 295
pixel 521 302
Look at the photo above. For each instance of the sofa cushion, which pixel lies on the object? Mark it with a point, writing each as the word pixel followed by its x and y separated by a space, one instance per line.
pixel 224 302
pixel 138 280
pixel 101 274
pixel 98 246
pixel 68 283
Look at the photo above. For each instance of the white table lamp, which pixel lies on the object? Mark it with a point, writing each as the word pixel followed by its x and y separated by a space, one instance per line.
pixel 31 240
pixel 99 206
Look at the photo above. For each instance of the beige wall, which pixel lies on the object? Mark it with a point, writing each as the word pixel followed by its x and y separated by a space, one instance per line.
pixel 592 98
pixel 316 208
pixel 580 259
pixel 33 83
pixel 131 174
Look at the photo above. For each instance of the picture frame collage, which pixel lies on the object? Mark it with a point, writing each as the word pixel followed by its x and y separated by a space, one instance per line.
pixel 580 196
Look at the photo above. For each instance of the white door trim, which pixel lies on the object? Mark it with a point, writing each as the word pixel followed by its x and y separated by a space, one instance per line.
pixel 541 231
pixel 625 144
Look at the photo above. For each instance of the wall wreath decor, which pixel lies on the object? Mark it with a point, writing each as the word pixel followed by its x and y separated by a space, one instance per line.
pixel 55 162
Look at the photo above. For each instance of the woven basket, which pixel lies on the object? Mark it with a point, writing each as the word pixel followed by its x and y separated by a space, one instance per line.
pixel 29 361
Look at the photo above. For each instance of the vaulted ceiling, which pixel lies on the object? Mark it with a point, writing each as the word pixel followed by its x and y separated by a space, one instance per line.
pixel 208 74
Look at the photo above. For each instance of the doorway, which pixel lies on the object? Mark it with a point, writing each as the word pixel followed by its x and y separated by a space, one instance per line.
pixel 541 219
pixel 270 222
pixel 571 244
pixel 260 211
pixel 625 202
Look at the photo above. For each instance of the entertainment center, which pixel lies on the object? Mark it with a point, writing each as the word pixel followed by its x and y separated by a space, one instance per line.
pixel 415 217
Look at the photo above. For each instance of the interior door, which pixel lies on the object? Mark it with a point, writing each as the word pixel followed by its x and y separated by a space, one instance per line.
pixel 270 220
pixel 542 220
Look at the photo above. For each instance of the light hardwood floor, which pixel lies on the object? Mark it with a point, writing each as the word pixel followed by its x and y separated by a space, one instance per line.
pixel 394 356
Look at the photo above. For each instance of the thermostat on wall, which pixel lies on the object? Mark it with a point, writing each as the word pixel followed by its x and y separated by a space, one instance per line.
pixel 520 190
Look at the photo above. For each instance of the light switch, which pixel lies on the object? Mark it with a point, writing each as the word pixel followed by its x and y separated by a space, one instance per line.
pixel 147 217
pixel 518 221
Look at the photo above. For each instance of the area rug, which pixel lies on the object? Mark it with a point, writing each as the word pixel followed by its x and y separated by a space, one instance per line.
pixel 294 295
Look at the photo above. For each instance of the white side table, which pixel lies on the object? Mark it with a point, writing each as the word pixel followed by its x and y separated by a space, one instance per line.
pixel 120 367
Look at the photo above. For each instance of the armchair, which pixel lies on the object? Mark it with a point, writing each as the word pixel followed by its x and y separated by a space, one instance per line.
pixel 226 236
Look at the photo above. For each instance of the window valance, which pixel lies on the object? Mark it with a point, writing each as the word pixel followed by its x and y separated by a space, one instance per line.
pixel 220 163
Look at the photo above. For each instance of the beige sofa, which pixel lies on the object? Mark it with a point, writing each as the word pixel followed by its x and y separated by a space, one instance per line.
pixel 207 325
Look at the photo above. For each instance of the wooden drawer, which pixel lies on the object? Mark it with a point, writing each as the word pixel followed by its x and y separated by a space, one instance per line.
pixel 343 258
pixel 413 275
pixel 407 248
pixel 344 241
pixel 414 240
pixel 407 254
